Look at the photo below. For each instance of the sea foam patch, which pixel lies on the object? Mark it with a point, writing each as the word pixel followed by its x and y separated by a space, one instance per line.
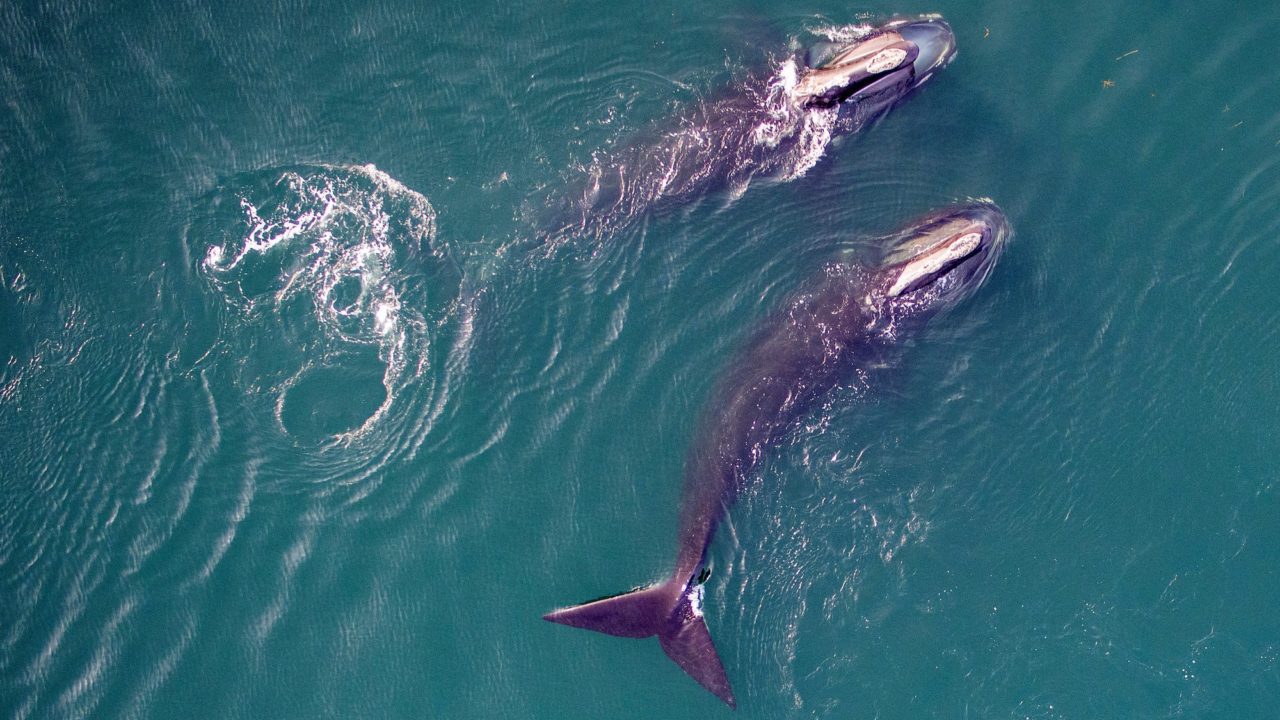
pixel 335 285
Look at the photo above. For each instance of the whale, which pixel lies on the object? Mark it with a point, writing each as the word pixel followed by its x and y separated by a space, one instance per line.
pixel 773 126
pixel 842 321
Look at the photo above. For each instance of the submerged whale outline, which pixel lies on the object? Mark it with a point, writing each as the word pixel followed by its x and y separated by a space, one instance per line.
pixel 800 354
pixel 772 129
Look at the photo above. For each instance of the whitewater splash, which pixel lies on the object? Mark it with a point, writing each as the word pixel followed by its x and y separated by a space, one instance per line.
pixel 335 280
pixel 809 129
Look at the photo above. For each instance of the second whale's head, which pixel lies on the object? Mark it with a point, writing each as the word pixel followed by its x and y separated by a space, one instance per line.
pixel 942 259
pixel 881 68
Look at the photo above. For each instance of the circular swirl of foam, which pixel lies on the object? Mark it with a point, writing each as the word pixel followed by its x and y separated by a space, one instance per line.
pixel 334 286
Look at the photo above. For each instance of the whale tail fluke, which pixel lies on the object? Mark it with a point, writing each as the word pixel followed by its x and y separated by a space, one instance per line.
pixel 676 618
pixel 636 613
pixel 689 644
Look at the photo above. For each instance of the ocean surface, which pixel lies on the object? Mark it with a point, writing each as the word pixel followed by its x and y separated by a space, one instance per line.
pixel 303 414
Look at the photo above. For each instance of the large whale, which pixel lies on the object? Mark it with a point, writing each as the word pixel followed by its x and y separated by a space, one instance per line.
pixel 844 321
pixel 773 126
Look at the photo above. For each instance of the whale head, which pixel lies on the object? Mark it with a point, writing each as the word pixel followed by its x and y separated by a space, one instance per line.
pixel 881 68
pixel 944 258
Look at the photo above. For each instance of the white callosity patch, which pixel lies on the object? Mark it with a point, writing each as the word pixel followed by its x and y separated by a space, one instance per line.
pixel 886 59
pixel 934 260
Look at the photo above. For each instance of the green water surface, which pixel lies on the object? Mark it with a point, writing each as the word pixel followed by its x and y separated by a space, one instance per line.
pixel 343 472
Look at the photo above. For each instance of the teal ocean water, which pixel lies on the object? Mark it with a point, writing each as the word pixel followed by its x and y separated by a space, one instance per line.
pixel 299 419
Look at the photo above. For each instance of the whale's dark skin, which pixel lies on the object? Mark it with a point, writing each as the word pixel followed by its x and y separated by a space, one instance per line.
pixel 765 127
pixel 845 320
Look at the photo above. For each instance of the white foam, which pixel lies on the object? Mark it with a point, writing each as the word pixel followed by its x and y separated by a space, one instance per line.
pixel 783 113
pixel 815 135
pixel 786 117
pixel 844 33
pixel 336 241
pixel 696 597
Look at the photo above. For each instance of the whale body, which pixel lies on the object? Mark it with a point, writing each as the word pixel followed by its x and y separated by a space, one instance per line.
pixel 775 127
pixel 845 320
